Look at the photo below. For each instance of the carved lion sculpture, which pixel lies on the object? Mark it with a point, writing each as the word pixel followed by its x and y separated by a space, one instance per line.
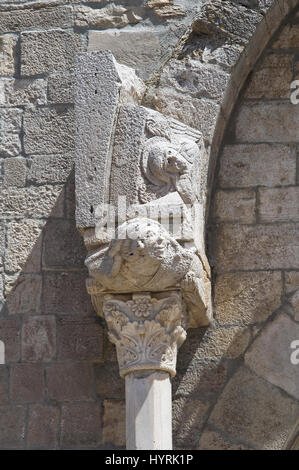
pixel 168 167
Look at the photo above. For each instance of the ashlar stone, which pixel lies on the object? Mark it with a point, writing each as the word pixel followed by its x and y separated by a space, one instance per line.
pixel 48 130
pixel 15 171
pixel 22 20
pixel 255 412
pixel 114 423
pixel 111 16
pixel 270 354
pixel 23 92
pixel 48 51
pixel 10 127
pixel 247 298
pixel 268 122
pixel 259 247
pixel 7 54
pixel 23 246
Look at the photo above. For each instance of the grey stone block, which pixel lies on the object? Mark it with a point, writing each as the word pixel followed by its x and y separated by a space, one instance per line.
pixel 128 47
pixel 23 92
pixel 50 168
pixel 48 130
pixel 20 20
pixel 61 88
pixel 15 170
pixel 7 54
pixel 48 51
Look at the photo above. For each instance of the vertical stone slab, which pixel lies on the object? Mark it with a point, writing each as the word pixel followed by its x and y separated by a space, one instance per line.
pixel 97 87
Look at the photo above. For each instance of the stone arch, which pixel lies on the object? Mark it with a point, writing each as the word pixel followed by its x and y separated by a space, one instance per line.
pixel 228 38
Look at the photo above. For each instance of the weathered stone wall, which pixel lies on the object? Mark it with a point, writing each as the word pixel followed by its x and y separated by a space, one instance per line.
pixel 60 386
pixel 253 245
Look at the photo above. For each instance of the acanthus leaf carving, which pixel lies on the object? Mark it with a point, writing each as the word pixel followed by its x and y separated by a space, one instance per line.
pixel 146 331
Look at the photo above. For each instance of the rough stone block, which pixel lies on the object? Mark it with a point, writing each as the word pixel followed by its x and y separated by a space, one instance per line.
pixel 12 427
pixel 188 419
pixel 247 298
pixel 48 130
pixel 24 246
pixel 11 120
pixel 23 92
pixel 80 339
pixel 50 168
pixel 7 54
pixel 199 378
pixel 32 201
pixel 259 247
pixel 25 295
pixel 10 334
pixel 61 88
pixel 201 114
pixel 63 246
pixel 39 339
pixel 48 51
pixel 20 20
pixel 81 425
pixel 268 122
pixel 10 125
pixel 257 165
pixel 279 204
pixel 70 381
pixel 109 384
pixel 26 383
pixel 65 294
pixel 234 206
pixel 128 48
pixel 15 170
pixel 111 16
pixel 10 145
pixel 223 342
pixel 236 21
pixel 270 355
pixel 114 423
pixel 253 411
pixel 194 79
pixel 213 440
pixel 43 427
pixel 272 79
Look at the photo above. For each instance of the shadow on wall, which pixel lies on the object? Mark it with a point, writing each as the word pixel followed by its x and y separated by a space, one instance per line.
pixel 236 387
pixel 49 386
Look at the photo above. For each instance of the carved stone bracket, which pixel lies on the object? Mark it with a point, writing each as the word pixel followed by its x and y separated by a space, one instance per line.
pixel 141 186
pixel 146 330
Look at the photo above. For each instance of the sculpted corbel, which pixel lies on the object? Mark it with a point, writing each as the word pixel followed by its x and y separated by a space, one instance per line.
pixel 141 183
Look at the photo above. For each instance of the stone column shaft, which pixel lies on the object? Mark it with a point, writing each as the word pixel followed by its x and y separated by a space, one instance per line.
pixel 148 411
pixel 147 332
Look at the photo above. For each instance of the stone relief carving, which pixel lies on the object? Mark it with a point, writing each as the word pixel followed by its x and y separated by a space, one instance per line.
pixel 146 331
pixel 145 257
pixel 170 161
pixel 153 161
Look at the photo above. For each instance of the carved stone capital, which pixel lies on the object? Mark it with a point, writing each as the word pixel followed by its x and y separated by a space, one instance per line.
pixel 147 330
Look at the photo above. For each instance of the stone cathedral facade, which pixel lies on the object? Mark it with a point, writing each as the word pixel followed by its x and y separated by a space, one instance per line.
pixel 203 110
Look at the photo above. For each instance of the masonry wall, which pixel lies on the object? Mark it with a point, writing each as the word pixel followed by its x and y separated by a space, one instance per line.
pixel 253 245
pixel 60 387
